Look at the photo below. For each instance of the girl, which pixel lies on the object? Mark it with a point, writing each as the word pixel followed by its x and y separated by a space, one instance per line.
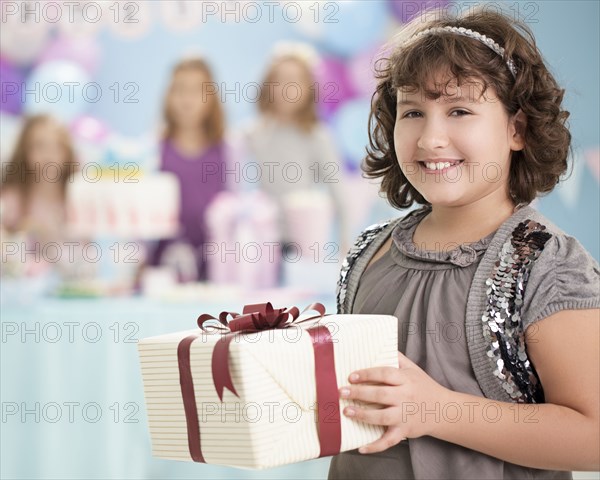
pixel 294 149
pixel 35 180
pixel 193 150
pixel 498 373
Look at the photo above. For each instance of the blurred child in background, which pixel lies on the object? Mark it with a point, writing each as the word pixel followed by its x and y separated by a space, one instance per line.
pixel 194 151
pixel 34 182
pixel 295 150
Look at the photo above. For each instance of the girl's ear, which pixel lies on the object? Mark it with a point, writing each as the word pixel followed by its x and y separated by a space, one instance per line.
pixel 518 125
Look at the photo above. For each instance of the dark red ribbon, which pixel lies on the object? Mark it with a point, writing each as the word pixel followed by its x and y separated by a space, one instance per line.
pixel 255 318
pixel 189 398
pixel 328 404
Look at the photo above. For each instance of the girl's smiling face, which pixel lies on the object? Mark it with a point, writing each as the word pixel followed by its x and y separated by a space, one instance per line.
pixel 456 149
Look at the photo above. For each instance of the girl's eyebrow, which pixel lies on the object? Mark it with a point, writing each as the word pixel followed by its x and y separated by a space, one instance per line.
pixel 467 98
pixel 406 102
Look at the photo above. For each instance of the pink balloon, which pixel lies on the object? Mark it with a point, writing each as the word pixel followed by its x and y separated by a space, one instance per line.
pixel 592 158
pixel 83 51
pixel 11 86
pixel 333 85
pixel 362 72
pixel 22 41
pixel 89 129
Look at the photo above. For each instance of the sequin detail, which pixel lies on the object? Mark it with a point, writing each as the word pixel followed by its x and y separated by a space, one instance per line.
pixel 502 326
pixel 362 242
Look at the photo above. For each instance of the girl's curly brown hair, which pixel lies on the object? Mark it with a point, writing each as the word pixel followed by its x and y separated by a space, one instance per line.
pixel 412 63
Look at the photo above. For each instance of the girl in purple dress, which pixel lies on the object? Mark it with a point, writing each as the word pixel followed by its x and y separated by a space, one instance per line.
pixel 193 150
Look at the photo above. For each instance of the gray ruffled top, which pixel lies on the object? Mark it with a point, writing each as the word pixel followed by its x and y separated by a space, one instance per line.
pixel 427 291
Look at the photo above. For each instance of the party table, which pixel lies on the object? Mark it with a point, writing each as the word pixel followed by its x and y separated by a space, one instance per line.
pixel 71 388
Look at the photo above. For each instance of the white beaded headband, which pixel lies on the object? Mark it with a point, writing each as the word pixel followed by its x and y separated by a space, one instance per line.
pixel 467 32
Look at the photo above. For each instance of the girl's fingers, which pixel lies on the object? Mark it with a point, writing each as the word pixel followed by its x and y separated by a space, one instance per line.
pixel 382 394
pixel 405 362
pixel 383 416
pixel 391 437
pixel 388 375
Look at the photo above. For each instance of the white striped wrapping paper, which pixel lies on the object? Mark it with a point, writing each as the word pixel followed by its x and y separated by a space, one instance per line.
pixel 273 422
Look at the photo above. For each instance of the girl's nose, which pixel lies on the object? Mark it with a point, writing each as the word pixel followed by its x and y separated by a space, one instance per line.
pixel 433 135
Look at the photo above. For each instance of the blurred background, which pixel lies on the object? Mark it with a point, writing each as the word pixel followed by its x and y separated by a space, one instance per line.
pixel 163 159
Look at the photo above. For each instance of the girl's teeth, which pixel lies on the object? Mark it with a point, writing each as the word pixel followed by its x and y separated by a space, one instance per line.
pixel 437 166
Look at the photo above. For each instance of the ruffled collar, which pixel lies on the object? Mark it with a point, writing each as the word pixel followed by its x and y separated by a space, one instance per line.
pixel 463 255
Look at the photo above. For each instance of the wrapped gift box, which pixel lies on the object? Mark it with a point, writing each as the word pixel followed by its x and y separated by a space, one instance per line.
pixel 274 419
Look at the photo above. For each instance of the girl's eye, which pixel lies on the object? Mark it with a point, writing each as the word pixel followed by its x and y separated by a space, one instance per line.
pixel 455 113
pixel 460 113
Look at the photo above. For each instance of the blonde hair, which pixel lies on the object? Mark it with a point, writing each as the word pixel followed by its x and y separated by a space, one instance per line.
pixel 214 125
pixel 307 59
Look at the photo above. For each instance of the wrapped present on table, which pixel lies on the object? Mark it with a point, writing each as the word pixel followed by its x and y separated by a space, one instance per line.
pixel 244 245
pixel 260 389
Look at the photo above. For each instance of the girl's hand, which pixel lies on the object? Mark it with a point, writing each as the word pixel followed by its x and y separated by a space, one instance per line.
pixel 411 396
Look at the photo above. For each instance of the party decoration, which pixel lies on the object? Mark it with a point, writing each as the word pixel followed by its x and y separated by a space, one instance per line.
pixel 352 26
pixel 129 20
pixel 405 10
pixel 90 129
pixel 309 214
pixel 22 38
pixel 84 52
pixel 181 15
pixel 333 85
pixel 90 136
pixel 350 125
pixel 84 19
pixel 310 13
pixel 361 71
pixel 11 83
pixel 244 223
pixel 60 88
pixel 143 151
pixel 123 204
pixel 592 158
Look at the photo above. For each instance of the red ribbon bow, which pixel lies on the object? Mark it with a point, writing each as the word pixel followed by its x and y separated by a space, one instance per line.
pixel 259 316
pixel 254 318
